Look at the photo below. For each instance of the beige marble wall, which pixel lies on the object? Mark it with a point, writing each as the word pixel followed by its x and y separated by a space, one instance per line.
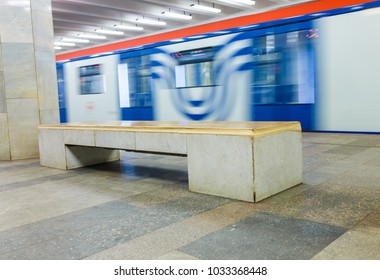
pixel 28 82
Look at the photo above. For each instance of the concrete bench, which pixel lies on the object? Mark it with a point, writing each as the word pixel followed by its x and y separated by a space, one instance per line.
pixel 248 161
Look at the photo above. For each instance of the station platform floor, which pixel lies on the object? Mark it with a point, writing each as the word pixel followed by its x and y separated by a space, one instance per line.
pixel 140 208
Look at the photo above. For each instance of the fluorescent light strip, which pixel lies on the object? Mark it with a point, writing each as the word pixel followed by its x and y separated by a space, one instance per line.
pixel 206 9
pixel 176 16
pixel 92 36
pixel 245 2
pixel 196 36
pixel 129 27
pixel 150 22
pixel 110 32
pixel 64 44
pixel 16 3
pixel 57 48
pixel 99 54
pixel 75 40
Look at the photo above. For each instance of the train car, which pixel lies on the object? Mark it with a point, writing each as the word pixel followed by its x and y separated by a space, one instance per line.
pixel 320 69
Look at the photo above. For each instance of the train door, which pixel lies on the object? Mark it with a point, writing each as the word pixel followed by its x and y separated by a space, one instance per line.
pixel 283 84
pixel 91 89
pixel 135 91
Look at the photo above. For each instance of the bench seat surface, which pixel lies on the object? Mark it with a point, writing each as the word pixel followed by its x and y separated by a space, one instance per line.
pixel 253 129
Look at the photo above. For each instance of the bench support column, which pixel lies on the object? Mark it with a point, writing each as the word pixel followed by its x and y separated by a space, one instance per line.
pixel 55 153
pixel 243 167
pixel 221 165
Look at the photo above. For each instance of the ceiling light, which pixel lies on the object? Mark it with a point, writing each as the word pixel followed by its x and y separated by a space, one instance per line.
pixel 150 22
pixel 206 8
pixel 18 3
pixel 245 2
pixel 64 44
pixel 99 54
pixel 176 15
pixel 177 40
pixel 196 36
pixel 110 32
pixel 75 40
pixel 92 36
pixel 128 27
pixel 57 48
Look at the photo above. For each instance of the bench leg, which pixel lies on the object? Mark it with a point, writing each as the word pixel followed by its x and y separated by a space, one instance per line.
pixel 244 168
pixel 221 165
pixel 54 153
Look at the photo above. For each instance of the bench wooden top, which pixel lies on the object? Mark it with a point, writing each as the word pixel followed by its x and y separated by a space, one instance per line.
pixel 248 128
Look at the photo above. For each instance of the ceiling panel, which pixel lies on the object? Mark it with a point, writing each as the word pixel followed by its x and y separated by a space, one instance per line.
pixel 72 18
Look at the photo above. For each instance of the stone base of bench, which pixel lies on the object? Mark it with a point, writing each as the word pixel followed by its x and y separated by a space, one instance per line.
pixel 228 163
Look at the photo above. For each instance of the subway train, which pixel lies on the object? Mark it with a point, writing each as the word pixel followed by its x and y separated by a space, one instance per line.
pixel 322 69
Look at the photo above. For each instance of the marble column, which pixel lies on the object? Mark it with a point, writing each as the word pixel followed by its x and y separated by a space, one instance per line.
pixel 28 82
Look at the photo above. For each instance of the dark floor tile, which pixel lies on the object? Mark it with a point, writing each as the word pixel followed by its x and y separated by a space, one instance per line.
pixel 265 236
pixel 347 150
pixel 83 233
pixel 19 166
pixel 369 141
pixel 337 205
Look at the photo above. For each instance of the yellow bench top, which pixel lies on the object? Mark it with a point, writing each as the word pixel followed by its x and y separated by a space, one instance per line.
pixel 245 128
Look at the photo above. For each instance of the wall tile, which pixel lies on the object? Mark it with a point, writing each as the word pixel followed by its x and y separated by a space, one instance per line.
pixel 49 116
pixel 19 70
pixel 3 108
pixel 23 120
pixel 43 32
pixel 4 138
pixel 47 81
pixel 41 5
pixel 15 24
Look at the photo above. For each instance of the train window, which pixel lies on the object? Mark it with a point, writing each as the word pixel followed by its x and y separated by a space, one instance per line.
pixel 92 80
pixel 194 74
pixel 283 71
pixel 138 81
pixel 195 67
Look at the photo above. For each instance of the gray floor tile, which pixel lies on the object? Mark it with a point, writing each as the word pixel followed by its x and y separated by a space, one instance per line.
pixel 265 236
pixel 346 150
pixel 353 245
pixel 85 232
pixel 330 204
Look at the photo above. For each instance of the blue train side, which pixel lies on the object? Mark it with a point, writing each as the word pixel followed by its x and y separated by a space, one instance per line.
pixel 293 69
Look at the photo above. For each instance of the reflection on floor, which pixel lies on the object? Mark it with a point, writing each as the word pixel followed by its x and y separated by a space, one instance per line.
pixel 140 208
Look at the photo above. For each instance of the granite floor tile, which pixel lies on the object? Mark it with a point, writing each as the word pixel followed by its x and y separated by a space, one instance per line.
pixel 353 245
pixel 43 179
pixel 313 162
pixel 26 174
pixel 26 205
pixel 20 166
pixel 364 176
pixel 370 223
pixel 176 255
pixel 317 149
pixel 374 162
pixel 329 204
pixel 167 239
pixel 347 150
pixel 328 138
pixel 94 229
pixel 369 141
pixel 265 236
pixel 6 163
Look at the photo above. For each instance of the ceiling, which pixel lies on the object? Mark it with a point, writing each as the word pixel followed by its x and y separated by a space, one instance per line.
pixel 73 18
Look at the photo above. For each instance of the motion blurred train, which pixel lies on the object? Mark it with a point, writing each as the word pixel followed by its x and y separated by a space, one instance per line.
pixel 322 69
